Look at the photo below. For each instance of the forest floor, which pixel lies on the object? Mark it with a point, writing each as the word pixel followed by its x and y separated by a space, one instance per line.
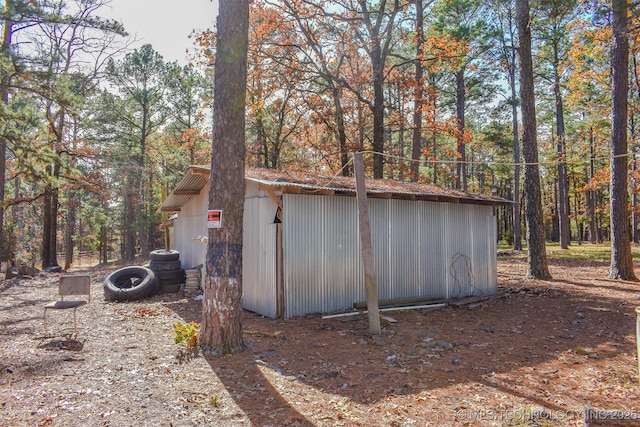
pixel 545 353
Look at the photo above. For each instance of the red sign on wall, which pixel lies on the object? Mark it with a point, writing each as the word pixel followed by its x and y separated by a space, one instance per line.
pixel 214 218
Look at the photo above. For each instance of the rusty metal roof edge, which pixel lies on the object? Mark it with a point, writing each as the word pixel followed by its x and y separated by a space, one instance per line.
pixel 370 184
pixel 307 186
pixel 340 184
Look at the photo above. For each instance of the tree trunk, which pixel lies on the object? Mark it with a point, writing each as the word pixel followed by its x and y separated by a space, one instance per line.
pixel 149 242
pixel 634 204
pixel 634 184
pixel 401 142
pixel 416 143
pixel 461 176
pixel 378 112
pixel 129 237
pixel 361 127
pixel 555 222
pixel 221 331
pixel 104 245
pixel 517 220
pixel 46 226
pixel 621 261
pixel 378 51
pixel 563 180
pixel 576 209
pixel 69 232
pixel 50 222
pixel 512 54
pixel 591 193
pixel 537 257
pixel 51 196
pixel 4 98
pixel 634 131
pixel 341 130
pixel 140 191
pixel 434 132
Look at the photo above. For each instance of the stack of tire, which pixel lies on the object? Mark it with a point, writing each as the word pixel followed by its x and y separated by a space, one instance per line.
pixel 166 266
pixel 163 274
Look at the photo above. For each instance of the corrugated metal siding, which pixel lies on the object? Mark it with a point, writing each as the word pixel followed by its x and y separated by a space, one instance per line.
pixel 459 239
pixel 379 214
pixel 191 224
pixel 259 256
pixel 258 248
pixel 420 249
pixel 415 250
pixel 402 252
pixel 321 263
pixel 433 236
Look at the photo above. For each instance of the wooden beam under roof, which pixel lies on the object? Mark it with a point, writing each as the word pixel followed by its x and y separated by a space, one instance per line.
pixel 186 192
pixel 295 189
pixel 381 195
pixel 401 196
pixel 449 199
pixel 270 191
pixel 267 187
pixel 200 171
pixel 321 191
pixel 427 197
pixel 291 189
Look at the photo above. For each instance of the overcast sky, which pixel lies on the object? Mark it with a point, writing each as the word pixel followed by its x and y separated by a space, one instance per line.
pixel 165 24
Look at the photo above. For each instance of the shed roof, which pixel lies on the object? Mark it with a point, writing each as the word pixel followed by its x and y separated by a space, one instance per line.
pixel 197 177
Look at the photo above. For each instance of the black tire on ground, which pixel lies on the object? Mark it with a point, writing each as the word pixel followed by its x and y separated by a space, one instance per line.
pixel 164 255
pixel 170 289
pixel 12 272
pixel 130 284
pixel 171 277
pixel 165 265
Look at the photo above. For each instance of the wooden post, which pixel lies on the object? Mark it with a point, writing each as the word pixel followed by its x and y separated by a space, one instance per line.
pixel 365 243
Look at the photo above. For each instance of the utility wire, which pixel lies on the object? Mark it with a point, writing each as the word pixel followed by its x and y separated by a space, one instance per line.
pixel 489 163
pixel 494 163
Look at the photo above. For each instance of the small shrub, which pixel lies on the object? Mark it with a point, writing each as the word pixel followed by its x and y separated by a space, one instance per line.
pixel 187 333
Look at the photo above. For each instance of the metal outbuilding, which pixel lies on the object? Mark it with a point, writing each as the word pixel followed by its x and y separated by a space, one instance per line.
pixel 301 246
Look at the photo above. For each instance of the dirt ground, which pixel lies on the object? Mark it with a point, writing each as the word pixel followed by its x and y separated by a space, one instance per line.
pixel 547 353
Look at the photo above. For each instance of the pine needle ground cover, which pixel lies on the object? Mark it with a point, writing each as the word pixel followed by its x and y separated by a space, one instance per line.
pixel 546 353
